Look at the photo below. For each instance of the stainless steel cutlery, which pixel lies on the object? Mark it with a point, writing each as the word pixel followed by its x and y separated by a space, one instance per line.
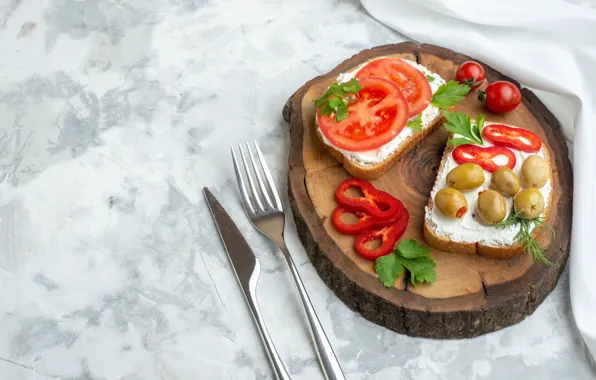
pixel 246 267
pixel 264 209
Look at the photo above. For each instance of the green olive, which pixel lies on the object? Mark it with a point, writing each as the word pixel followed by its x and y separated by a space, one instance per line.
pixel 505 181
pixel 465 177
pixel 451 202
pixel 491 207
pixel 529 203
pixel 534 172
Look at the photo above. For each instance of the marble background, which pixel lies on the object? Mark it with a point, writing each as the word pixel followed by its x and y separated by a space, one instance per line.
pixel 114 115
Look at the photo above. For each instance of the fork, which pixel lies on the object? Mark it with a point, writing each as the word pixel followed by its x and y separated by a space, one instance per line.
pixel 265 211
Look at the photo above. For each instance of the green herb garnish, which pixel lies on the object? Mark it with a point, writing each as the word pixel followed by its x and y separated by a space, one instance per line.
pixel 411 256
pixel 415 123
pixel 459 123
pixel 336 98
pixel 470 82
pixel 524 236
pixel 430 78
pixel 448 94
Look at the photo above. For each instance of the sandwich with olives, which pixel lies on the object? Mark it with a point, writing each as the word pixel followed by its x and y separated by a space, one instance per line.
pixel 493 190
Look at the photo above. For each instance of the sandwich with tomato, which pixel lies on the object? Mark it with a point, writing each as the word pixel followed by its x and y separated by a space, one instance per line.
pixel 493 190
pixel 375 113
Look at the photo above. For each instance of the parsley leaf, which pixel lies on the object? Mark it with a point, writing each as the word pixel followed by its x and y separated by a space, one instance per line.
pixel 459 124
pixel 457 141
pixel 326 110
pixel 410 249
pixel 411 256
pixel 336 98
pixel 430 78
pixel 421 269
pixel 341 113
pixel 477 128
pixel 416 123
pixel 335 102
pixel 351 86
pixel 480 122
pixel 388 268
pixel 448 94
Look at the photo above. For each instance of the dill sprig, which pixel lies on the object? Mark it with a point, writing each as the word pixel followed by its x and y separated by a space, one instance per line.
pixel 524 236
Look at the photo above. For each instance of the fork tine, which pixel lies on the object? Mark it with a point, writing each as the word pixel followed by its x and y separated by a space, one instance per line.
pixel 241 184
pixel 268 177
pixel 255 192
pixel 255 165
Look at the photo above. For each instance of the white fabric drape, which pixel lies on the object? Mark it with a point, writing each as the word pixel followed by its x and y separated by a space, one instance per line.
pixel 548 46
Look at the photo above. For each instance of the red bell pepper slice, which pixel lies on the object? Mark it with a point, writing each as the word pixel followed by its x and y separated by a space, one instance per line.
pixel 376 203
pixel 363 223
pixel 483 156
pixel 516 138
pixel 389 235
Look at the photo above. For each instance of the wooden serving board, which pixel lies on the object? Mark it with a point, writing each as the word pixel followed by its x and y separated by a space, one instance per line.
pixel 472 295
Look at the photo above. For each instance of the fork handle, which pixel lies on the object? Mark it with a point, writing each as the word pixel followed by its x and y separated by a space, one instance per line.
pixel 329 363
pixel 276 363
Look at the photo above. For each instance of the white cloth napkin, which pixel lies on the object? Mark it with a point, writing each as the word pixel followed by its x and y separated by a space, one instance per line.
pixel 546 45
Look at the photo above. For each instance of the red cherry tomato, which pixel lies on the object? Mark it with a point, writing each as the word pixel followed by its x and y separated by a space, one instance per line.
pixel 411 82
pixel 470 73
pixel 511 137
pixel 500 97
pixel 375 118
pixel 489 158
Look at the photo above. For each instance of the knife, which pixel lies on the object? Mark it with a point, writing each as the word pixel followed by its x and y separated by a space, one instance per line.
pixel 247 270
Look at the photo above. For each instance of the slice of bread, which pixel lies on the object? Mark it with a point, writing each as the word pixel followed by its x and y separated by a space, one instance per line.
pixel 373 171
pixel 479 247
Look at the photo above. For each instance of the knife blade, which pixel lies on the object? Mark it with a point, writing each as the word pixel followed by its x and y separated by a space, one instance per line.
pixel 242 257
pixel 246 267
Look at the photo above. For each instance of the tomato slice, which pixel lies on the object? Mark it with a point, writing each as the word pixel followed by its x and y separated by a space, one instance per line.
pixel 378 115
pixel 489 158
pixel 412 83
pixel 511 137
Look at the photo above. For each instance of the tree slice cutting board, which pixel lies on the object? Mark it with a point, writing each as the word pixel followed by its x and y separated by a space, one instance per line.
pixel 472 295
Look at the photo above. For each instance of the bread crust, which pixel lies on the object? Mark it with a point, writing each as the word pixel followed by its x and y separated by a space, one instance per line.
pixel 371 172
pixel 501 252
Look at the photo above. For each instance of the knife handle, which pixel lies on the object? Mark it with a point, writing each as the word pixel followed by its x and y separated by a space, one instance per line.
pixel 278 367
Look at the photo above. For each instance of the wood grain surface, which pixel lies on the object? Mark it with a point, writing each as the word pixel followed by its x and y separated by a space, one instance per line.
pixel 472 295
